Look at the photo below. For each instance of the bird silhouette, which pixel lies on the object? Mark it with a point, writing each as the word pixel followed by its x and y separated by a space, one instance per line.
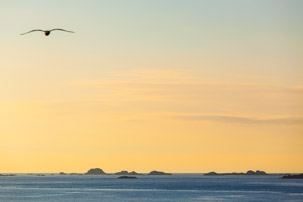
pixel 47 32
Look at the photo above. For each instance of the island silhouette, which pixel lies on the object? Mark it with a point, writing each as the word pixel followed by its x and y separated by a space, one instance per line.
pixel 250 172
pixel 7 175
pixel 95 171
pixel 127 177
pixel 158 173
pixel 124 172
pixel 296 176
pixel 99 171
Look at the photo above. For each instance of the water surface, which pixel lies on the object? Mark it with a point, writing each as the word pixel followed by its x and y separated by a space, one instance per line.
pixel 178 187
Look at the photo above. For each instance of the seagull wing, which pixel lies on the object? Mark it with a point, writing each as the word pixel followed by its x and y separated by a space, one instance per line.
pixel 61 30
pixel 33 31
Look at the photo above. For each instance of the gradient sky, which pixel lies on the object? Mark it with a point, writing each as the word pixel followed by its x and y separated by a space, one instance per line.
pixel 178 86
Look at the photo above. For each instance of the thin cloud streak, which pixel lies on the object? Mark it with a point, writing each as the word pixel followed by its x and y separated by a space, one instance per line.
pixel 221 85
pixel 241 119
pixel 168 80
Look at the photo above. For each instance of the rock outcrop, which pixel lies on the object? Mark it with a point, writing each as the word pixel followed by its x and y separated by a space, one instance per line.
pixel 250 172
pixel 298 176
pixel 7 175
pixel 127 177
pixel 124 172
pixel 95 171
pixel 158 173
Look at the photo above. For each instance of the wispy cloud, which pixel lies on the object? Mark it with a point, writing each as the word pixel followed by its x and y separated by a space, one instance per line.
pixel 241 119
pixel 155 75
pixel 181 92
pixel 169 80
pixel 191 86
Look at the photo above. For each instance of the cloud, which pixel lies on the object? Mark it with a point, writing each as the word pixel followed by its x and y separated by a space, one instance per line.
pixel 192 84
pixel 155 75
pixel 185 82
pixel 186 93
pixel 241 119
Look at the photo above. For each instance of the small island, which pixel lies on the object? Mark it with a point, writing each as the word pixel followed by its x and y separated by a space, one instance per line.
pixel 124 172
pixel 158 173
pixel 63 173
pixel 127 177
pixel 7 175
pixel 95 171
pixel 297 176
pixel 250 172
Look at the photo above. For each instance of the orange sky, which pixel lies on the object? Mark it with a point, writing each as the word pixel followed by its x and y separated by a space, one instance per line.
pixel 178 86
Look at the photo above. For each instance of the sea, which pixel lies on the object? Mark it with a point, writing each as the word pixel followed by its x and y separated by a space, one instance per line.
pixel 177 187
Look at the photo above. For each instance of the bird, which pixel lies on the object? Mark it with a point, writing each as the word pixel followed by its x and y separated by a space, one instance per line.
pixel 47 32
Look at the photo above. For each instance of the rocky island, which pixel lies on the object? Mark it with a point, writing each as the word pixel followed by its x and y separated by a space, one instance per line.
pixel 124 172
pixel 7 175
pixel 250 172
pixel 298 176
pixel 127 177
pixel 95 171
pixel 158 173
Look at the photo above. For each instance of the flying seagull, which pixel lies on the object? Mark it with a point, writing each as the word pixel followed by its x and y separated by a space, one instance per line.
pixel 47 32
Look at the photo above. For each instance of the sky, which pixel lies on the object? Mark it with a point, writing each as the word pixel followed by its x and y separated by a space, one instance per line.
pixel 170 85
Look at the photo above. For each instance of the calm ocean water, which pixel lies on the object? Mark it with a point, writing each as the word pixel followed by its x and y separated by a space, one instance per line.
pixel 179 187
